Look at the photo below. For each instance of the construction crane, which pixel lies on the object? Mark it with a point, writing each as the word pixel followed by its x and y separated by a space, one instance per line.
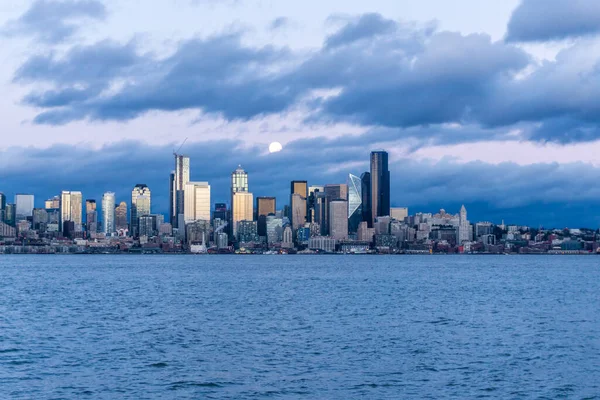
pixel 177 152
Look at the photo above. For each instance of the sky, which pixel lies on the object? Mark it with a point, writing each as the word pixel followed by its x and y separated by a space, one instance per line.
pixel 492 104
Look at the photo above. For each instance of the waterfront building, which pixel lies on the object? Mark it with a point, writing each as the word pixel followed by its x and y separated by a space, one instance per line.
pixel 380 185
pixel 321 243
pixel 108 213
pixel 141 201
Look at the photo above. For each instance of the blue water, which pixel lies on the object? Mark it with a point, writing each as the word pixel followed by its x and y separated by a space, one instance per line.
pixel 286 327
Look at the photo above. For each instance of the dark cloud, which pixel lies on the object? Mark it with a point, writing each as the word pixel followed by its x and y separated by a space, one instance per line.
pixel 547 194
pixel 545 20
pixel 402 78
pixel 53 21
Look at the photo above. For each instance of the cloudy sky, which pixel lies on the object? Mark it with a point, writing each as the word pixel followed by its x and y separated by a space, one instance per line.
pixel 492 104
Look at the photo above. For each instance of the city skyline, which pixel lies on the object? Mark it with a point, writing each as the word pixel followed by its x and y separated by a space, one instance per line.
pixel 510 133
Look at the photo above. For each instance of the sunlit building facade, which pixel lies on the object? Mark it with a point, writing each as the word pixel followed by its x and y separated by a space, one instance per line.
pixel 71 209
pixel 121 217
pixel 242 209
pixel 197 202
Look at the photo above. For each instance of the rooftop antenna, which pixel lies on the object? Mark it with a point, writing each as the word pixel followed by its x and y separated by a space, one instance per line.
pixel 176 152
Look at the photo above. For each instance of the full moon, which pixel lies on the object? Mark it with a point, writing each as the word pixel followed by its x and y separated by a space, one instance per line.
pixel 275 147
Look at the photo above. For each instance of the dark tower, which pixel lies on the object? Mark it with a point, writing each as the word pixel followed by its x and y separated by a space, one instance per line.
pixel 380 185
pixel 366 198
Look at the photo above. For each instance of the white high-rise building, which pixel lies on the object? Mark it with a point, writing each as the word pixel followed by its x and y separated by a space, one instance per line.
pixel 196 202
pixel 108 213
pixel 464 227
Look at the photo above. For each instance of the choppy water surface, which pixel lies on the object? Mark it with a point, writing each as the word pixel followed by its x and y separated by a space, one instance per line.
pixel 339 327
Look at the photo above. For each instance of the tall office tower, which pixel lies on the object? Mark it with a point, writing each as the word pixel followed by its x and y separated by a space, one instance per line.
pixel 239 180
pixel 91 216
pixel 121 217
pixel 355 210
pixel 10 214
pixel 242 209
pixel 264 207
pixel 380 185
pixel 338 219
pixel 464 227
pixel 365 179
pixel 242 201
pixel 298 211
pixel 140 205
pixel 24 206
pixel 53 203
pixel 298 204
pixel 331 192
pixel 108 213
pixel 197 202
pixel 311 201
pixel 179 178
pixel 71 209
pixel 2 207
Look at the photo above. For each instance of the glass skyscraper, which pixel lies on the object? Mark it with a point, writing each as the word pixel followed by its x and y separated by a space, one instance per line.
pixel 108 213
pixel 242 201
pixel 355 199
pixel 140 206
pixel 179 178
pixel 380 185
pixel 121 217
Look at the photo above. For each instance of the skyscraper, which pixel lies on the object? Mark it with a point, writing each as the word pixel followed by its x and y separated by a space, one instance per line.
pixel 140 205
pixel 264 207
pixel 380 185
pixel 366 199
pixel 298 204
pixel 71 209
pixel 24 206
pixel 338 219
pixel 121 217
pixel 242 201
pixel 243 204
pixel 197 202
pixel 91 216
pixel 464 227
pixel 179 178
pixel 108 213
pixel 355 210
